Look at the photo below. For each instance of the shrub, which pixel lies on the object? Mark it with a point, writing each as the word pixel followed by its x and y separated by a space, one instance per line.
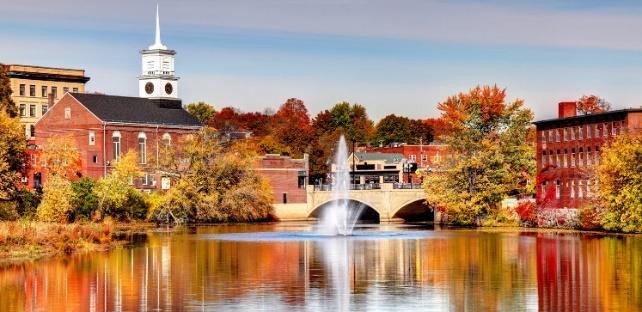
pixel 136 205
pixel 28 203
pixel 527 211
pixel 84 200
pixel 591 217
pixel 8 211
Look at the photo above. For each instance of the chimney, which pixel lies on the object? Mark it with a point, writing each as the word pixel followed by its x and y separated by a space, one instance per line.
pixel 567 109
pixel 50 99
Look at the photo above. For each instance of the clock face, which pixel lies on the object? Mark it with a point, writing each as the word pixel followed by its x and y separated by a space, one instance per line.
pixel 149 88
pixel 168 88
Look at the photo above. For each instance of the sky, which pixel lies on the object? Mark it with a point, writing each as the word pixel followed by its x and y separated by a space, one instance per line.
pixel 401 57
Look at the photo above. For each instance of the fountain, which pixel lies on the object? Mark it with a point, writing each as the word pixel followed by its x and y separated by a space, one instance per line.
pixel 341 217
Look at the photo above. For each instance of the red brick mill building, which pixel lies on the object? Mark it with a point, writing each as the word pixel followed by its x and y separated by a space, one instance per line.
pixel 568 147
pixel 105 127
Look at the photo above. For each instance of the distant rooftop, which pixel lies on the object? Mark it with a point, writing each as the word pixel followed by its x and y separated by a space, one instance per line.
pixel 45 73
pixel 388 158
pixel 594 115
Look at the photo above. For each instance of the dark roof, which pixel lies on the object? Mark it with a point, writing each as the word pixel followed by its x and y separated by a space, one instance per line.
pixel 389 158
pixel 579 117
pixel 112 108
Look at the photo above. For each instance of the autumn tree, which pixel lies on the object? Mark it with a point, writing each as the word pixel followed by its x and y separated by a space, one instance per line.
pixel 61 157
pixel 620 184
pixel 115 191
pixel 438 126
pixel 12 146
pixel 6 102
pixel 490 157
pixel 202 111
pixel 589 104
pixel 354 121
pixel 291 126
pixel 230 119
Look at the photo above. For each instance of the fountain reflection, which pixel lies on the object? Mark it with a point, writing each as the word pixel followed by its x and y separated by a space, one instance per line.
pixel 446 270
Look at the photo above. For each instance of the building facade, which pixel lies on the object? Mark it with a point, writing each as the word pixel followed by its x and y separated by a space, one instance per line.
pixel 287 176
pixel 36 88
pixel 105 127
pixel 569 146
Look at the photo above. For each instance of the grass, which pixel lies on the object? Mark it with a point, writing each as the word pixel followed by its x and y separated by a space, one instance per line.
pixel 30 239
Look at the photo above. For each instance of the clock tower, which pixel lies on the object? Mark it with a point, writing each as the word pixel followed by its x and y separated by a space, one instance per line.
pixel 157 79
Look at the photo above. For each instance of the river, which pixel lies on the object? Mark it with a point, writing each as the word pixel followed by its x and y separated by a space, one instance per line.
pixel 432 269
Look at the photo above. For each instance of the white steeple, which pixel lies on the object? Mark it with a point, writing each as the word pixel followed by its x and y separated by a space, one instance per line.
pixel 157 42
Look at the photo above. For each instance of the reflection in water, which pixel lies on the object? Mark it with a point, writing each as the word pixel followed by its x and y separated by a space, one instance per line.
pixel 446 270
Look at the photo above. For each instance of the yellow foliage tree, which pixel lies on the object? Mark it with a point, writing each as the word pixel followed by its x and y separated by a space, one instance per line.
pixel 61 157
pixel 12 144
pixel 620 184
pixel 114 190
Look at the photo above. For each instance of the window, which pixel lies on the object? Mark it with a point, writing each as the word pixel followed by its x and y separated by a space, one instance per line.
pixel 65 90
pixel 580 160
pixel 424 157
pixel 54 91
pixel 75 90
pixel 43 91
pixel 557 189
pixel 550 136
pixel 580 189
pixel 413 157
pixel 23 110
pixel 550 157
pixel 285 198
pixel 142 148
pixel 94 159
pixel 614 128
pixel 557 159
pixel 597 155
pixel 544 190
pixel 572 131
pixel 115 139
pixel 573 158
pixel 565 134
pixel 596 128
pixel 167 139
pixel 32 131
pixel 580 133
pixel 543 136
pixel 67 112
pixel 544 158
pixel 92 138
pixel 145 179
pixel 572 188
pixel 22 90
pixel 557 135
pixel 33 160
pixel 32 110
pixel 588 157
pixel 605 130
pixel 565 160
pixel 32 90
pixel 588 131
pixel 44 109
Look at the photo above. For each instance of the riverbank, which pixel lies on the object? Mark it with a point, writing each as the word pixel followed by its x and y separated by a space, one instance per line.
pixel 29 240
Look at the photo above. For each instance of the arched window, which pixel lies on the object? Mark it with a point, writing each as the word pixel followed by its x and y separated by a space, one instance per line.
pixel 115 139
pixel 167 139
pixel 142 148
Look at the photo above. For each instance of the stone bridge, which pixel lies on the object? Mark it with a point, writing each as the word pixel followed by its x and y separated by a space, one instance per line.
pixel 384 204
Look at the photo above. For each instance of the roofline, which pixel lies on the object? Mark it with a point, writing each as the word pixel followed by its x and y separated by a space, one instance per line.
pixel 45 67
pixel 613 112
pixel 152 125
pixel 75 99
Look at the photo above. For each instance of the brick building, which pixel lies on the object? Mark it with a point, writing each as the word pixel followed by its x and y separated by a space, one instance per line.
pixel 567 148
pixel 426 157
pixel 104 127
pixel 36 88
pixel 287 176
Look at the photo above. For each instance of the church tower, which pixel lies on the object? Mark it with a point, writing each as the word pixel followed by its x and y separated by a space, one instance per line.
pixel 157 79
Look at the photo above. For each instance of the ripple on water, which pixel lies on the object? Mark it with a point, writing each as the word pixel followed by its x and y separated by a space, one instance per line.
pixel 305 236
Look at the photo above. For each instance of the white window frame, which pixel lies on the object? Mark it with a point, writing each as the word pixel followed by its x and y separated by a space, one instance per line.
pixel 67 112
pixel 116 146
pixel 142 148
pixel 92 138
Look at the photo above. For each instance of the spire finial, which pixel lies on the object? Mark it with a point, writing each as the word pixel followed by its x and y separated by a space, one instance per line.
pixel 157 42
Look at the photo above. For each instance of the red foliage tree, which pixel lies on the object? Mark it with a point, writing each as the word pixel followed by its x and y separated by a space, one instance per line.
pixel 589 104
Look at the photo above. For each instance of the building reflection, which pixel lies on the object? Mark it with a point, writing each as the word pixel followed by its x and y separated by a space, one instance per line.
pixel 448 270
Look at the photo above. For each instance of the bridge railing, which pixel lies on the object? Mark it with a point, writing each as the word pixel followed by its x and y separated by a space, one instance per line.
pixel 353 187
pixel 407 186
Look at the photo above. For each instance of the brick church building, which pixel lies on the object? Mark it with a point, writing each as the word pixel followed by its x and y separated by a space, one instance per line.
pixel 105 127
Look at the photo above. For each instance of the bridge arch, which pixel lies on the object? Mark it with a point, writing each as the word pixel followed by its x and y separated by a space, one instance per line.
pixel 368 212
pixel 415 210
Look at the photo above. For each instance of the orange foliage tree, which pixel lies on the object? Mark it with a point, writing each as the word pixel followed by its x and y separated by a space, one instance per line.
pixel 589 104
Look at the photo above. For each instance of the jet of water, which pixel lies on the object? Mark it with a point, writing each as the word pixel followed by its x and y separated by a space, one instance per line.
pixel 340 218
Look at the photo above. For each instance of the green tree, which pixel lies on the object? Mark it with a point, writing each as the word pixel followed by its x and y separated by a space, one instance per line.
pixel 6 102
pixel 202 111
pixel 354 121
pixel 84 200
pixel 491 158
pixel 620 184
pixel 393 128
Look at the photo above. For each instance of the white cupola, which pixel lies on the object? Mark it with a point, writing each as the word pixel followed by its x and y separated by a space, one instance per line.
pixel 158 79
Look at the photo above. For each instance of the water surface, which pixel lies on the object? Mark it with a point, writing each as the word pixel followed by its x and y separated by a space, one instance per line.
pixel 396 268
